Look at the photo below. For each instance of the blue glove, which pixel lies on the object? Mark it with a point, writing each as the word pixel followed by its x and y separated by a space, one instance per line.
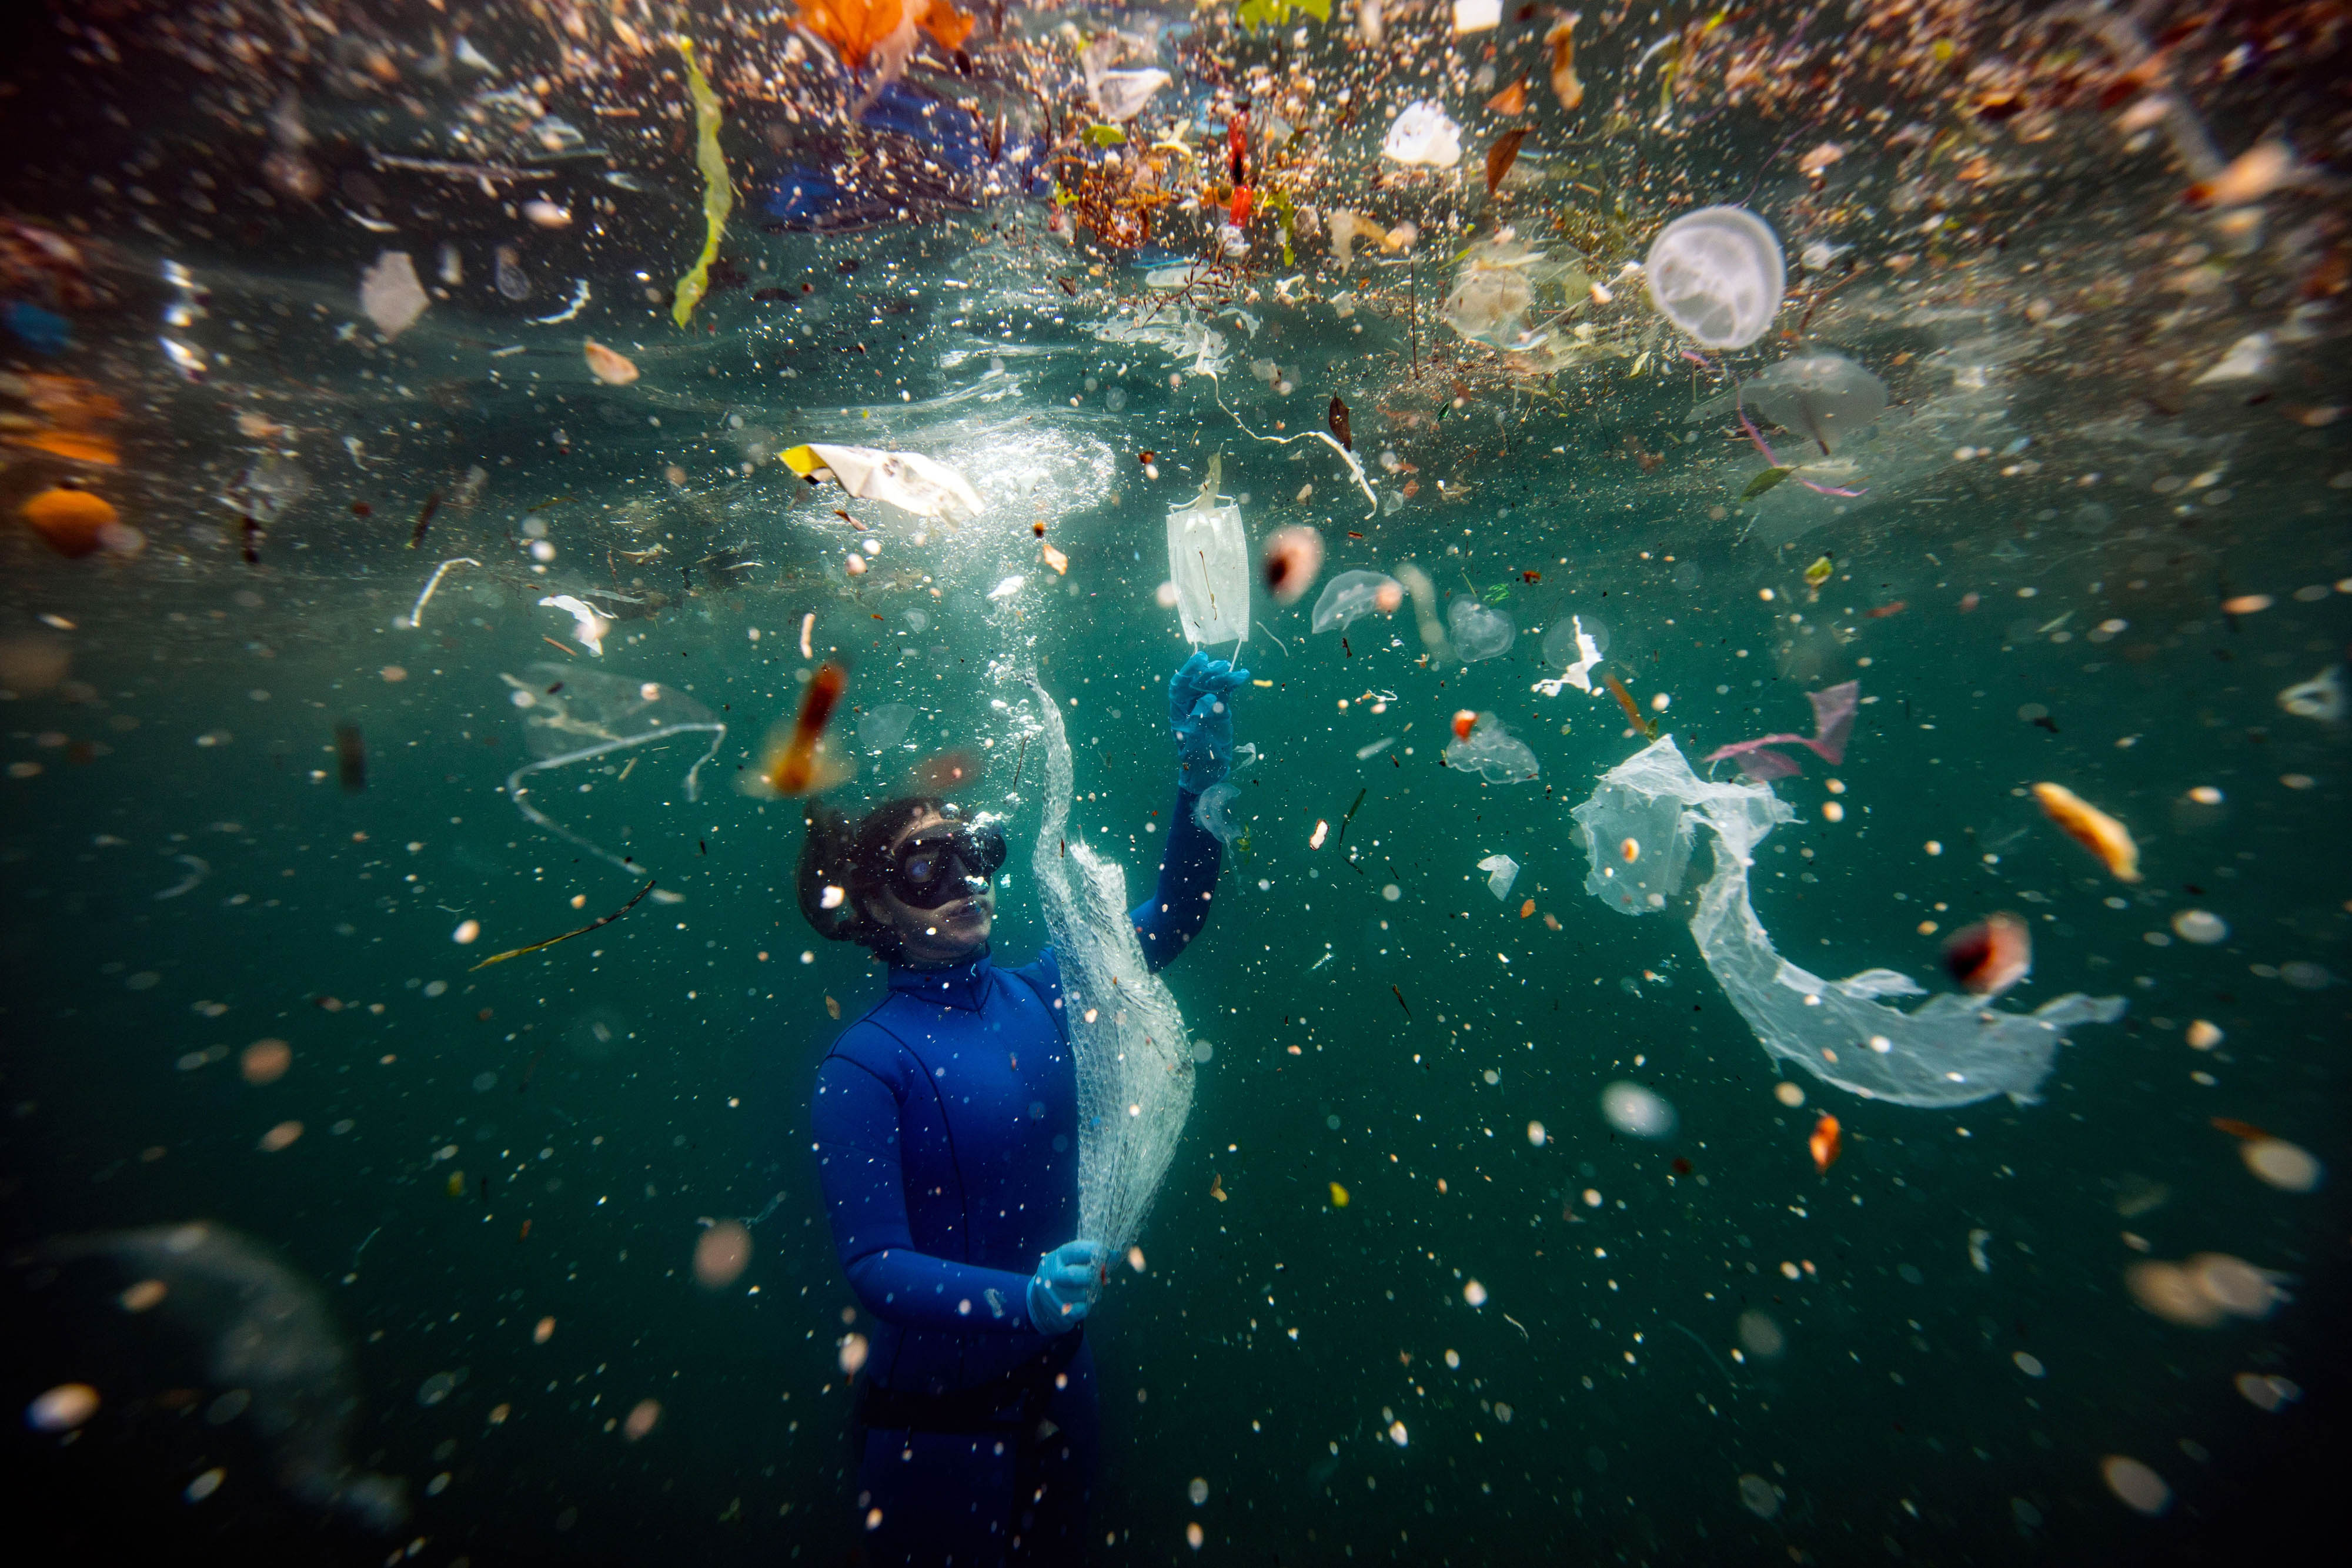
pixel 1063 1289
pixel 1198 707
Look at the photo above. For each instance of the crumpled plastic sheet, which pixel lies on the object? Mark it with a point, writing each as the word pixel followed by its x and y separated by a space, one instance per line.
pixel 1133 1057
pixel 1638 828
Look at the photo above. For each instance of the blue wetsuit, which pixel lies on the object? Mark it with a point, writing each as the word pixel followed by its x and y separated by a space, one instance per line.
pixel 946 1128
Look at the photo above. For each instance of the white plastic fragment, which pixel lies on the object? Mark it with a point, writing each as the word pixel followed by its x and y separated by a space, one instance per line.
pixel 1423 134
pixel 390 295
pixel 2248 360
pixel 1476 16
pixel 907 480
pixel 1953 1051
pixel 589 626
pixel 1578 673
pixel 1501 872
pixel 1121 94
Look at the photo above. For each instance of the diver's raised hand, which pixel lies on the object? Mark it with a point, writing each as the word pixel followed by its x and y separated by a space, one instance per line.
pixel 1063 1289
pixel 1199 707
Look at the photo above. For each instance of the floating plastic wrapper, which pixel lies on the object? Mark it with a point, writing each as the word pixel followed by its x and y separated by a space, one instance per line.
pixel 574 714
pixel 1501 872
pixel 1209 561
pixel 907 480
pixel 1953 1051
pixel 1128 1042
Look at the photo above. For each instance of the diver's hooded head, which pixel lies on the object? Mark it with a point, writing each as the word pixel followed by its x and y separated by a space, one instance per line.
pixel 861 880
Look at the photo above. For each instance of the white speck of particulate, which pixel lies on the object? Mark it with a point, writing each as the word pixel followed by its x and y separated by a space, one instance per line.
pixel 1475 1294
pixel 2290 1167
pixel 2138 1488
pixel 2030 1363
pixel 1536 1134
pixel 1198 1491
pixel 62 1408
pixel 204 1485
pixel 1397 1434
pixel 2201 926
pixel 468 930
pixel 2268 1391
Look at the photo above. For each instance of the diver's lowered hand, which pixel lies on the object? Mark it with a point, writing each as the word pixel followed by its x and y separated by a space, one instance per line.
pixel 1200 709
pixel 1063 1289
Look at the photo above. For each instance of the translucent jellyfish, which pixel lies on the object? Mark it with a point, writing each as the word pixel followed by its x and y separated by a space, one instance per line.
pixel 1214 811
pixel 1493 753
pixel 598 1034
pixel 1489 303
pixel 1636 1111
pixel 1501 872
pixel 1480 631
pixel 1953 1051
pixel 1352 595
pixel 1717 274
pixel 574 714
pixel 880 728
pixel 259 1332
pixel 1823 396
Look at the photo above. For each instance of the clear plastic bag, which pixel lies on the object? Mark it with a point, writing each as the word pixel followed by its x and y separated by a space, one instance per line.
pixel 1953 1051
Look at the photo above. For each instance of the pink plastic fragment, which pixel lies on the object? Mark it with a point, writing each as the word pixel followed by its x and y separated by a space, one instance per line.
pixel 1765 765
pixel 1833 711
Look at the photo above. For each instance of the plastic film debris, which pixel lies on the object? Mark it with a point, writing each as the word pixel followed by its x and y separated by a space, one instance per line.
pixel 1952 1051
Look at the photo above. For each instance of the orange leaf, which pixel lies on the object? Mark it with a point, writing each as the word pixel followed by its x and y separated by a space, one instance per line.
pixel 79 447
pixel 853 27
pixel 948 27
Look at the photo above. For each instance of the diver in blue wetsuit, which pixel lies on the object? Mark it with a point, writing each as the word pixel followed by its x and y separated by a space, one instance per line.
pixel 945 1132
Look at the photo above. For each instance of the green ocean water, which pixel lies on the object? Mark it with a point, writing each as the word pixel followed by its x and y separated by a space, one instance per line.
pixel 190 870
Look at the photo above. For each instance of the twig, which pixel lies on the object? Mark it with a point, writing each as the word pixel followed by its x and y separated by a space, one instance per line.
pixel 568 936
